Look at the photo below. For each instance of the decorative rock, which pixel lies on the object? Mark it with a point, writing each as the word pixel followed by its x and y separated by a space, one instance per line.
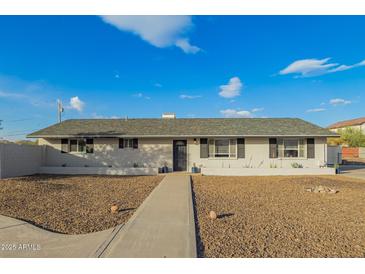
pixel 212 215
pixel 321 189
pixel 114 209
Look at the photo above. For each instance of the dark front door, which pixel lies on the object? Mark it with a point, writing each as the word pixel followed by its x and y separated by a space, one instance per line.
pixel 179 155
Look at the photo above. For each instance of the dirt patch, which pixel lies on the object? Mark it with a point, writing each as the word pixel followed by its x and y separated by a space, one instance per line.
pixel 276 217
pixel 74 204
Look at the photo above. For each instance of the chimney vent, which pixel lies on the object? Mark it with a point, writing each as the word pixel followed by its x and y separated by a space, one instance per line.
pixel 168 115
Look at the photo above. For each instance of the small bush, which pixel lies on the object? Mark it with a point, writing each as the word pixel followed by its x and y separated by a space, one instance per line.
pixel 296 165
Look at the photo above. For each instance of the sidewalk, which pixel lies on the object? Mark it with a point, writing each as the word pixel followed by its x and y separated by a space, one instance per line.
pixel 20 239
pixel 162 227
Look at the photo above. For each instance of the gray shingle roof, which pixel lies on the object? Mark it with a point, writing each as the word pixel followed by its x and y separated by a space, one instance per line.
pixel 183 127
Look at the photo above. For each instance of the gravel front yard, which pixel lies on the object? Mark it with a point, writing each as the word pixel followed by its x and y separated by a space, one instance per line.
pixel 74 204
pixel 276 217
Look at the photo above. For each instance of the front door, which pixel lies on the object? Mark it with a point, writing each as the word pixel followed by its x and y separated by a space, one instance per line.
pixel 179 155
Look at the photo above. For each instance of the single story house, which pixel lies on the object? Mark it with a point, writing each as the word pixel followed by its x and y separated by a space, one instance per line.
pixel 222 146
pixel 358 123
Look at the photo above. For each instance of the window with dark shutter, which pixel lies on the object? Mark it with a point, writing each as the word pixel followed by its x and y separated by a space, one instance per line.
pixel 273 150
pixel 135 143
pixel 121 143
pixel 90 145
pixel 240 148
pixel 310 148
pixel 204 148
pixel 64 145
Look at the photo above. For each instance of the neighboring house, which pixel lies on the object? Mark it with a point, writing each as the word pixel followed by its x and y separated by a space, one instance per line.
pixel 358 123
pixel 215 144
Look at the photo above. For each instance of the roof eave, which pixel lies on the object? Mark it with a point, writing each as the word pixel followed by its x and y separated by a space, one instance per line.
pixel 181 136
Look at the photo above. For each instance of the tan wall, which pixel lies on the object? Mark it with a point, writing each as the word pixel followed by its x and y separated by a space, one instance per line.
pixel 358 127
pixel 256 156
pixel 153 152
pixel 150 153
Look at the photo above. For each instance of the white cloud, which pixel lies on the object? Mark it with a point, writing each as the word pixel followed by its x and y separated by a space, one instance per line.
pixel 257 110
pixel 316 67
pixel 159 31
pixel 185 96
pixel 232 89
pixel 185 45
pixel 158 85
pixel 141 95
pixel 76 103
pixel 97 116
pixel 12 95
pixel 315 110
pixel 339 101
pixel 233 113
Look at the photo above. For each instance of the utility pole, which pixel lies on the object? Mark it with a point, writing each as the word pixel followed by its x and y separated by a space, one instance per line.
pixel 60 109
pixel 1 129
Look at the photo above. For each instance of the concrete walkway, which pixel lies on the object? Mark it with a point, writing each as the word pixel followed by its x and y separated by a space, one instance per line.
pixel 19 239
pixel 162 227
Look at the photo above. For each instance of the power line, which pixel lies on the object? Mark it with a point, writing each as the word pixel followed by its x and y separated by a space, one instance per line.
pixel 18 133
pixel 18 120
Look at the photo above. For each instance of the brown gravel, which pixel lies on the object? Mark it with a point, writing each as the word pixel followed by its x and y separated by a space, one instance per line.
pixel 74 204
pixel 276 217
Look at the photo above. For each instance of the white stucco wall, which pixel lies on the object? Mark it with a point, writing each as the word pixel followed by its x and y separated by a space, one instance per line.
pixel 154 152
pixel 150 153
pixel 256 156
pixel 20 160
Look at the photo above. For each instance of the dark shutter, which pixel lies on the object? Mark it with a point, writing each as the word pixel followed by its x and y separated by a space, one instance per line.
pixel 310 148
pixel 204 148
pixel 240 148
pixel 64 145
pixel 135 143
pixel 273 150
pixel 90 145
pixel 121 143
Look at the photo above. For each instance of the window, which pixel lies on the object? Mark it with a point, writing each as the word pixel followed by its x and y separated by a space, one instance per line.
pixel 73 145
pixel 89 145
pixel 128 143
pixel 82 145
pixel 222 148
pixel 291 148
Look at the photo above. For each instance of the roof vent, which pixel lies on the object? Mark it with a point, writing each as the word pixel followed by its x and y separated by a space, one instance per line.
pixel 168 115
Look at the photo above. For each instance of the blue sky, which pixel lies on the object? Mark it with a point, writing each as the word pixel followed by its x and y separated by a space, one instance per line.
pixel 311 67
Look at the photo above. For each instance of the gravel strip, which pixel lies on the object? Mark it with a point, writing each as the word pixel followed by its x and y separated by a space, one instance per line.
pixel 277 217
pixel 74 204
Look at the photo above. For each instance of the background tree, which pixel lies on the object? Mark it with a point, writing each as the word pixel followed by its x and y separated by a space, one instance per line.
pixel 352 137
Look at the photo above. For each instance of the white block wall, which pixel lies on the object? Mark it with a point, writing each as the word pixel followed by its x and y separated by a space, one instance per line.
pixel 20 160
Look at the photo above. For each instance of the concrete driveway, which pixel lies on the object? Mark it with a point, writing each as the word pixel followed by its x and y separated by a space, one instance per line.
pixel 354 171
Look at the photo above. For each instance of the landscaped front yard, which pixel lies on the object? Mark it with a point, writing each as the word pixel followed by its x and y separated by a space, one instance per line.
pixel 277 217
pixel 74 204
